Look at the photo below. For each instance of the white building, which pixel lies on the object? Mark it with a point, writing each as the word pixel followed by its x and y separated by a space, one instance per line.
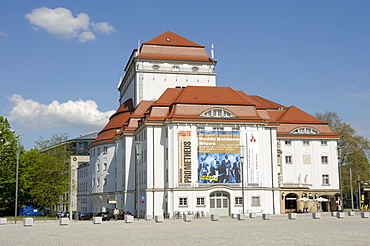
pixel 179 143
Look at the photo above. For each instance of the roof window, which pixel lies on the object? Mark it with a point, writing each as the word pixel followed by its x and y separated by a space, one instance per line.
pixel 217 112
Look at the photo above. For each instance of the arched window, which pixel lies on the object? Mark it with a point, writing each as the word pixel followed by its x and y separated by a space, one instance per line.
pixel 305 130
pixel 217 112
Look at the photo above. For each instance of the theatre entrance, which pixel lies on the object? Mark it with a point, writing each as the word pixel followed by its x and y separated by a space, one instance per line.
pixel 219 203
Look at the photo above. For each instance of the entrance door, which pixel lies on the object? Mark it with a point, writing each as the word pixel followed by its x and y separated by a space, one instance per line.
pixel 219 203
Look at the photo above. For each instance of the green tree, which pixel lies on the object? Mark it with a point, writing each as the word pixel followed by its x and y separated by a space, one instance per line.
pixel 8 149
pixel 354 151
pixel 48 171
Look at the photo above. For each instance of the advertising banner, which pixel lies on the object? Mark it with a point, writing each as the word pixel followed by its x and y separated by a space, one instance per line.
pixel 184 157
pixel 219 157
pixel 253 158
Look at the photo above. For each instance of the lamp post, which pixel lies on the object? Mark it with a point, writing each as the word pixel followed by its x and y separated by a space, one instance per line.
pixel 340 173
pixel 16 178
pixel 359 192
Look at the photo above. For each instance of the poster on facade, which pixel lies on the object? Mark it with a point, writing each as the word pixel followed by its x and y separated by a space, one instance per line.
pixel 253 159
pixel 219 156
pixel 184 157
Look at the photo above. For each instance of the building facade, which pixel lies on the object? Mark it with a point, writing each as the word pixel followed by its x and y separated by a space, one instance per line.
pixel 179 143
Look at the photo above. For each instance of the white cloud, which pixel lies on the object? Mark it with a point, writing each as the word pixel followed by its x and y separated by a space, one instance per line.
pixel 359 97
pixel 76 115
pixel 63 24
pixel 4 34
pixel 103 27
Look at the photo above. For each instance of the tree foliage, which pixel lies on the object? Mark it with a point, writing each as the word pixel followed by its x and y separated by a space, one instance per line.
pixel 8 148
pixel 43 171
pixel 353 151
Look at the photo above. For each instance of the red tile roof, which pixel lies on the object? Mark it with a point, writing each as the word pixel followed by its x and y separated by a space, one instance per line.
pixel 169 38
pixel 170 46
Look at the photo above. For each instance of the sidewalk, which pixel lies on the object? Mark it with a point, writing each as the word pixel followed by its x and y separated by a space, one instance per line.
pixel 279 230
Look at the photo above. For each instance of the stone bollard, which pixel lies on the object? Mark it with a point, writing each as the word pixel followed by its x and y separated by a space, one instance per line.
pixel 129 218
pixel 3 221
pixel 266 216
pixel 292 216
pixel 316 215
pixel 334 214
pixel 97 220
pixel 241 216
pixel 28 222
pixel 351 213
pixel 159 218
pixel 148 217
pixel 340 215
pixel 364 214
pixel 187 217
pixel 214 217
pixel 252 215
pixel 234 216
pixel 63 221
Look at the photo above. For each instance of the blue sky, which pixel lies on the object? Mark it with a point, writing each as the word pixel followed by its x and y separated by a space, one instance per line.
pixel 60 61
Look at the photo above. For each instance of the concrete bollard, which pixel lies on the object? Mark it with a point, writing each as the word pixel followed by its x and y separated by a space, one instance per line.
pixel 241 216
pixel 316 215
pixel 364 214
pixel 63 221
pixel 292 216
pixel 148 217
pixel 214 217
pixel 340 215
pixel 334 214
pixel 97 220
pixel 28 222
pixel 252 215
pixel 266 216
pixel 3 221
pixel 129 218
pixel 187 217
pixel 234 216
pixel 351 213
pixel 159 218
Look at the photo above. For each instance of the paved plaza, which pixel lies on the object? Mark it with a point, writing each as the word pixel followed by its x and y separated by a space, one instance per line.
pixel 279 230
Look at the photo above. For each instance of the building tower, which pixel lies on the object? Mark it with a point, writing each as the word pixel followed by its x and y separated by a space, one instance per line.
pixel 166 61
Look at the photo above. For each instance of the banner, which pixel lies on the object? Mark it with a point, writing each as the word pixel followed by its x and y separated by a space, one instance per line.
pixel 184 157
pixel 253 158
pixel 219 156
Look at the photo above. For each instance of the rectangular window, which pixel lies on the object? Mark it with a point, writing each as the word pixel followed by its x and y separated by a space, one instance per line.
pixel 324 159
pixel 105 150
pixel 238 201
pixel 306 142
pixel 105 167
pixel 288 142
pixel 255 201
pixel 288 159
pixel 183 201
pixel 97 167
pixel 325 179
pixel 324 142
pixel 200 201
pixel 98 151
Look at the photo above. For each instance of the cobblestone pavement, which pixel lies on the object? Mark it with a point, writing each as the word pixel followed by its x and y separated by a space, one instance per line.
pixel 279 230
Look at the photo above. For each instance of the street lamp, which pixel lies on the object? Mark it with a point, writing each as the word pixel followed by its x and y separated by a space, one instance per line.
pixel 16 177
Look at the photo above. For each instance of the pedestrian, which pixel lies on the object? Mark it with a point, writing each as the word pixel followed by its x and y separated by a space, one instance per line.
pixel 115 214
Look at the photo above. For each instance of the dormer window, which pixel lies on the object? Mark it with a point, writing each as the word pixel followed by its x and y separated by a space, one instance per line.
pixel 195 69
pixel 217 112
pixel 175 68
pixel 305 130
pixel 155 67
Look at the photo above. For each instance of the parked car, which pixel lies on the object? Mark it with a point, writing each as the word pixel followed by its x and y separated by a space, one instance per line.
pixel 121 215
pixel 62 214
pixel 104 215
pixel 85 216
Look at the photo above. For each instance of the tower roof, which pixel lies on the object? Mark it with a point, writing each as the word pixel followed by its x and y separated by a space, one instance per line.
pixel 172 39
